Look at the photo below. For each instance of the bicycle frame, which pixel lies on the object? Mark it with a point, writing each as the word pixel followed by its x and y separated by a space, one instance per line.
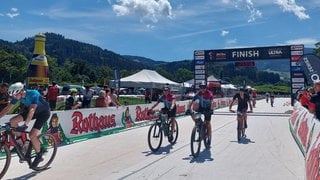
pixel 8 139
pixel 199 133
pixel 161 126
pixel 48 146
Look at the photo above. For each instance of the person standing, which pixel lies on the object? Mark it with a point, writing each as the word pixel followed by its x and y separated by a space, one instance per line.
pixel 52 96
pixel 72 102
pixel 314 103
pixel 114 97
pixel 147 95
pixel 87 96
pixel 272 96
pixel 4 96
pixel 101 100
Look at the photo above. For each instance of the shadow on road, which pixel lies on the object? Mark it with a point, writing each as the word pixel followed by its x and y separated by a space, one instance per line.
pixel 29 175
pixel 244 141
pixel 203 156
pixel 161 150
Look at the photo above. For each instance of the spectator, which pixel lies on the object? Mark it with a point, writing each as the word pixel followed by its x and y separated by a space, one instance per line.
pixel 4 96
pixel 114 98
pixel 147 98
pixel 52 96
pixel 87 96
pixel 101 99
pixel 314 103
pixel 305 98
pixel 72 102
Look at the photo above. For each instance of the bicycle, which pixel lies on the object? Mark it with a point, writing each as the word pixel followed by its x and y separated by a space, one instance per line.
pixel 199 133
pixel 25 151
pixel 241 128
pixel 161 126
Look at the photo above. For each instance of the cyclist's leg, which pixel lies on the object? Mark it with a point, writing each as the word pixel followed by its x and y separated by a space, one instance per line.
pixel 207 118
pixel 40 120
pixel 172 115
pixel 239 120
pixel 14 121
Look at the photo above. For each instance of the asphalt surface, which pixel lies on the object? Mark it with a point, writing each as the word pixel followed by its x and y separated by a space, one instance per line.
pixel 268 152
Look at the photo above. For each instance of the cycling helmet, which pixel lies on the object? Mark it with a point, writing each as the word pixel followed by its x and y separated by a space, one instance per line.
pixel 166 88
pixel 15 88
pixel 203 85
pixel 73 90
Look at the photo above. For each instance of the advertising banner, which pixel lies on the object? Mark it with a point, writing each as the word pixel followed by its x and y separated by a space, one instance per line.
pixel 311 67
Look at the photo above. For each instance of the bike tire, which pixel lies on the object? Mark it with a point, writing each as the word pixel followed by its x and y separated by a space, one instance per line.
pixel 49 148
pixel 195 141
pixel 5 159
pixel 155 136
pixel 174 133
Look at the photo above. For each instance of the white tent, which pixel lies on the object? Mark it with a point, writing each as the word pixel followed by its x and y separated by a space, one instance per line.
pixel 147 79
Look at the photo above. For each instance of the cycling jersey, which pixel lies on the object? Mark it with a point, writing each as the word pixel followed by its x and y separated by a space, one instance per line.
pixel 242 102
pixel 204 98
pixel 167 100
pixel 33 97
pixel 42 112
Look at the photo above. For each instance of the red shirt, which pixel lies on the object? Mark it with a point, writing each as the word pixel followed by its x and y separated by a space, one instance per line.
pixel 53 93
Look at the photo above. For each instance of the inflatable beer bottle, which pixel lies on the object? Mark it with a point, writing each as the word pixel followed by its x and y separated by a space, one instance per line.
pixel 38 71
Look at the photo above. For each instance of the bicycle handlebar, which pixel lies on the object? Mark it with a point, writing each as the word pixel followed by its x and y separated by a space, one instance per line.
pixel 7 126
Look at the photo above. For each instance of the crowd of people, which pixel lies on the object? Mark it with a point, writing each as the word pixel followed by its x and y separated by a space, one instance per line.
pixel 310 98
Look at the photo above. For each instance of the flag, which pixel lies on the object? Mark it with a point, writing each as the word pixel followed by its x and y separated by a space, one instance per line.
pixel 311 67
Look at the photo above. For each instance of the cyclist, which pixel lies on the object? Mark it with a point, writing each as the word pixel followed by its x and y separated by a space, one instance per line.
pixel 35 107
pixel 243 101
pixel 170 108
pixel 205 98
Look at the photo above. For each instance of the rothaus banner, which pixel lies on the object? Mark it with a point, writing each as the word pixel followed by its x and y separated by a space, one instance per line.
pixel 311 66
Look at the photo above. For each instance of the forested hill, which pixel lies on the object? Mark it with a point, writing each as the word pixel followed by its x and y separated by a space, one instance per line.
pixel 64 49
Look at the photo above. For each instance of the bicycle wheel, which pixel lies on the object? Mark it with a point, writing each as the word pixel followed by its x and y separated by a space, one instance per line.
pixel 173 132
pixel 5 159
pixel 48 148
pixel 195 141
pixel 155 137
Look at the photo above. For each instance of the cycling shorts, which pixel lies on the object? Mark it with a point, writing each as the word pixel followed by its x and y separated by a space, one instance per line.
pixel 41 118
pixel 206 112
pixel 171 113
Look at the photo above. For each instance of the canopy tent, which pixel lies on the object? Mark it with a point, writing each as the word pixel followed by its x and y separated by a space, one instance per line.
pixel 147 79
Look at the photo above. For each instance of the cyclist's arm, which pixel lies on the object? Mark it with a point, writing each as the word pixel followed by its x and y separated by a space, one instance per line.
pixel 6 110
pixel 173 104
pixel 230 106
pixel 156 104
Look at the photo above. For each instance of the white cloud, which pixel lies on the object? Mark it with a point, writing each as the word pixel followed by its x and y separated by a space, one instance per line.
pixel 291 6
pixel 144 9
pixel 224 33
pixel 305 41
pixel 14 13
pixel 14 9
pixel 231 41
pixel 254 13
pixel 245 5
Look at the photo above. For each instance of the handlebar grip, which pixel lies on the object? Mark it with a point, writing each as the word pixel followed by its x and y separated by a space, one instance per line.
pixel 21 128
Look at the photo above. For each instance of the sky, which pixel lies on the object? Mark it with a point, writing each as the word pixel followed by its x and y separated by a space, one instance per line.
pixel 165 30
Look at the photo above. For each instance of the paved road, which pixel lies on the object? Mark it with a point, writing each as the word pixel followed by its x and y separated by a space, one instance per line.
pixel 269 152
